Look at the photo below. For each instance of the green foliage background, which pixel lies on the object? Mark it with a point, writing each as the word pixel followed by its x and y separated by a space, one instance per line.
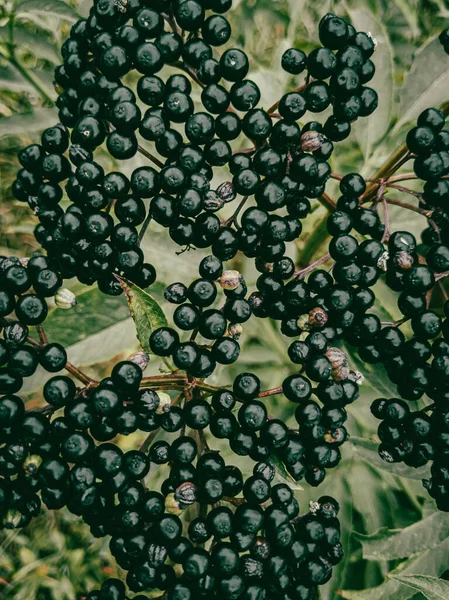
pixel 397 544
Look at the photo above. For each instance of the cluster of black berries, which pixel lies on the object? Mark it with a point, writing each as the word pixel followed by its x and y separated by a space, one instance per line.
pixel 418 366
pixel 321 311
pixel 405 365
pixel 58 463
pixel 263 549
pixel 83 241
pixel 421 436
pixel 348 70
pixel 257 553
pixel 28 456
pixel 16 279
pixel 404 435
pixel 20 434
pixel 254 432
pixel 429 143
pixel 219 328
pixel 24 288
pixel 287 166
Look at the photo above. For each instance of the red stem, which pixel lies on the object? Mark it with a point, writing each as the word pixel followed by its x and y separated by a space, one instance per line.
pixel 272 392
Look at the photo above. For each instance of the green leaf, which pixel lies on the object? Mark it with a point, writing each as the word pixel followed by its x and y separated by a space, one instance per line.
pixel 56 8
pixel 28 123
pixel 103 345
pixel 375 375
pixel 97 348
pixel 36 43
pixel 146 312
pixel 410 14
pixel 368 495
pixel 432 561
pixel 93 313
pixel 386 304
pixel 393 544
pixel 432 588
pixel 367 450
pixel 12 81
pixel 370 130
pixel 426 84
pixel 282 474
pixel 96 329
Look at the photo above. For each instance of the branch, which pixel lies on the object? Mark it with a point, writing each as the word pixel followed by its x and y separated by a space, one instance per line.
pixel 327 201
pixel 302 272
pixel 394 323
pixel 144 228
pixel 145 446
pixel 178 381
pixel 272 392
pixel 395 161
pixel 42 335
pixel 386 234
pixel 150 156
pixel 407 206
pixel 183 67
pixel 233 217
pixel 80 375
pixel 203 445
pixel 404 189
pixel 68 366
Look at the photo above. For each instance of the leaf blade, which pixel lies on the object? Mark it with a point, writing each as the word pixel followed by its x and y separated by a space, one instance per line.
pixel 35 42
pixel 283 475
pixel 56 8
pixel 145 311
pixel 32 122
pixel 433 561
pixel 432 588
pixel 367 450
pixel 425 84
pixel 393 544
pixel 371 130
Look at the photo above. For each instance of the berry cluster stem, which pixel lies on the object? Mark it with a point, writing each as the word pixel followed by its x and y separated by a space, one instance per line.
pixel 407 206
pixel 42 335
pixel 327 201
pixel 399 157
pixel 75 371
pixel 302 272
pixel 145 446
pixel 386 234
pixel 183 67
pixel 150 156
pixel 271 392
pixel 233 217
pixel 144 228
